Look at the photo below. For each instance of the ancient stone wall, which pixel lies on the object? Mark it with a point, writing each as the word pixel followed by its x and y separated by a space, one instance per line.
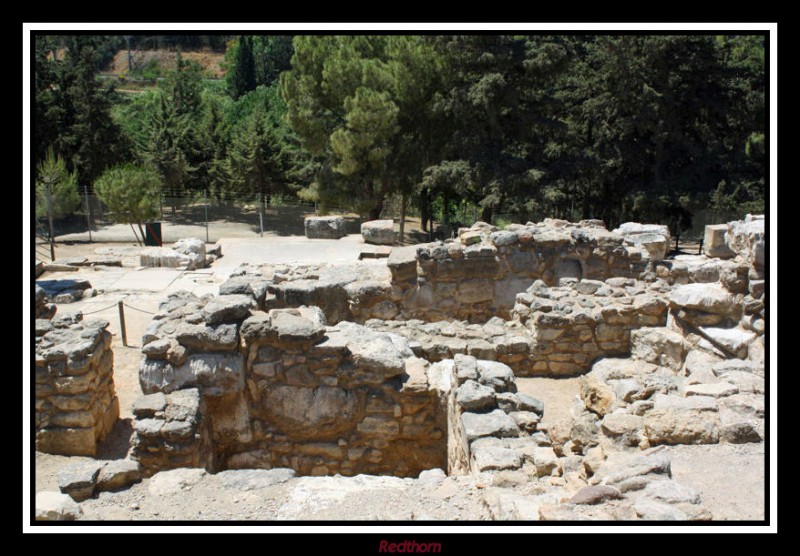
pixel 479 275
pixel 170 431
pixel 282 389
pixel 473 278
pixel 574 325
pixel 494 427
pixel 76 404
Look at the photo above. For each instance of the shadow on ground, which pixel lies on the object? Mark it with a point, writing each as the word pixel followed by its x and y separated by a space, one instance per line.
pixel 118 441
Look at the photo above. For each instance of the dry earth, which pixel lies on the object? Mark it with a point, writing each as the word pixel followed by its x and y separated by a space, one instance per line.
pixel 730 478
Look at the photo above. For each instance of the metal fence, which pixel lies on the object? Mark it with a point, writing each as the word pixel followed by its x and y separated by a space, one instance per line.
pixel 184 214
pixel 211 216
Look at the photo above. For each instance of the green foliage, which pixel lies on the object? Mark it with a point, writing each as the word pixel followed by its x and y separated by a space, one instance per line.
pixel 55 181
pixel 130 192
pixel 255 157
pixel 241 75
pixel 359 104
pixel 272 55
pixel 167 137
pixel 631 127
pixel 184 85
pixel 73 111
pixel 150 71
pixel 501 222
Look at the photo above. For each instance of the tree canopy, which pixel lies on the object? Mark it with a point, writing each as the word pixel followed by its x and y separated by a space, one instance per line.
pixel 629 127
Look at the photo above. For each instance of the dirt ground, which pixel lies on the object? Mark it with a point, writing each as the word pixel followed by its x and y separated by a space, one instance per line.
pixel 730 478
pixel 211 62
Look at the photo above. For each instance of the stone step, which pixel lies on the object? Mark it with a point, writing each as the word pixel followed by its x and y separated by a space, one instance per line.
pixel 375 252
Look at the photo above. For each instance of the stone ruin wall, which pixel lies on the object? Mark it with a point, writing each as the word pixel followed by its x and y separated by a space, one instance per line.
pixel 273 386
pixel 478 276
pixel 280 389
pixel 76 404
pixel 473 278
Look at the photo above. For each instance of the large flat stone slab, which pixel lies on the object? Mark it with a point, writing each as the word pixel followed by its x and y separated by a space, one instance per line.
pixel 145 279
pixel 495 423
pixel 325 227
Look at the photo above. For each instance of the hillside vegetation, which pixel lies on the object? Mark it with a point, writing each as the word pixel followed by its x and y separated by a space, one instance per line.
pixel 449 127
pixel 163 61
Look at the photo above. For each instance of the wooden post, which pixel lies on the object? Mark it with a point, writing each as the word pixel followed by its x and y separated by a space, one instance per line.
pixel 403 202
pixel 50 220
pixel 261 212
pixel 121 306
pixel 88 214
pixel 206 207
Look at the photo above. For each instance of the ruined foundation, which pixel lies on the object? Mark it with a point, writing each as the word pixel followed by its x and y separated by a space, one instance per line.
pixel 395 369
pixel 280 389
pixel 76 405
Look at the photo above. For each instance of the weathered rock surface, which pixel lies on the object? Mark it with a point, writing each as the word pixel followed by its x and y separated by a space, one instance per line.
pixel 677 426
pixel 325 227
pixel 118 474
pixel 76 404
pixel 378 232
pixel 475 397
pixel 595 494
pixel 79 480
pixel 54 506
pixel 227 308
pixel 193 248
pixel 747 238
pixel 495 423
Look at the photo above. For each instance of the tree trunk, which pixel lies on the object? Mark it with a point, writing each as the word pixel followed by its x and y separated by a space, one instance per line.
pixel 50 223
pixel 424 209
pixel 141 230
pixel 486 214
pixel 376 210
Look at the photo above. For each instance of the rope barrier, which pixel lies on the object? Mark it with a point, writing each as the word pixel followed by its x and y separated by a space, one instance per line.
pixel 137 309
pixel 98 310
pixel 114 305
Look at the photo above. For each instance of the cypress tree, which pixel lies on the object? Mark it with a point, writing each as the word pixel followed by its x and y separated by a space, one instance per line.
pixel 243 76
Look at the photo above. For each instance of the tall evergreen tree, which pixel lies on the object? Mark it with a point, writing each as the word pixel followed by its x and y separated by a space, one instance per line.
pixel 241 77
pixel 88 137
pixel 255 158
pixel 272 55
pixel 348 99
pixel 167 132
pixel 184 85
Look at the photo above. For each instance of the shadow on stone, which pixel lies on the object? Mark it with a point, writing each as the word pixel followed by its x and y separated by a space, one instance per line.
pixel 117 443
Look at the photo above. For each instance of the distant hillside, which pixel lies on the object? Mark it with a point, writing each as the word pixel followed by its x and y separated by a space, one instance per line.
pixel 164 60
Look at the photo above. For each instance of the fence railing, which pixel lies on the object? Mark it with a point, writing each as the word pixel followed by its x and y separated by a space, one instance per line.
pixel 212 215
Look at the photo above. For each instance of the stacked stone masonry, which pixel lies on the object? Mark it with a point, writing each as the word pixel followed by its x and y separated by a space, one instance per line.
pixel 170 431
pixel 282 389
pixel 479 275
pixel 76 404
pixel 495 426
pixel 283 377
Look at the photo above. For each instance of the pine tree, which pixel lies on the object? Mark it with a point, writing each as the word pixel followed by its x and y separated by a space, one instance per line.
pixel 131 194
pixel 255 160
pixel 88 137
pixel 241 77
pixel 272 55
pixel 167 131
pixel 184 85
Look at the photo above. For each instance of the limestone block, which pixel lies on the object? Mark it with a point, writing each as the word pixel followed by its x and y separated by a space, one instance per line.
pixel 379 232
pixel 325 227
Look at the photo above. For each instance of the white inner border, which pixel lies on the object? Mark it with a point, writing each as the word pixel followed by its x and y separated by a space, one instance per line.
pixel 490 527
